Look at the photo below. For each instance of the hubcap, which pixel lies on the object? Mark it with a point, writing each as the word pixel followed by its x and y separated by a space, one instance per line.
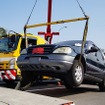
pixel 78 73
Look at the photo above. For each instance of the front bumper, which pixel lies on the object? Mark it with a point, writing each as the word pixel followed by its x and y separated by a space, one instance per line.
pixel 47 63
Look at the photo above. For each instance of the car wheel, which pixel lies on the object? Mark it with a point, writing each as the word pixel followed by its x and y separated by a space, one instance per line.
pixel 75 75
pixel 102 86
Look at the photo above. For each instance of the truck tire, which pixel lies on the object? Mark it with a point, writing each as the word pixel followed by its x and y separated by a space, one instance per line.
pixel 9 81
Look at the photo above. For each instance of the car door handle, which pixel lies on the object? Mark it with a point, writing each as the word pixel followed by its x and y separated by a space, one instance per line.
pixel 97 59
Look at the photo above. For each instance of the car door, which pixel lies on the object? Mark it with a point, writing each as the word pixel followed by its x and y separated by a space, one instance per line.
pixel 100 64
pixel 91 62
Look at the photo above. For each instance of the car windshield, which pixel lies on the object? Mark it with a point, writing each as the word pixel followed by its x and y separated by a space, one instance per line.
pixel 8 44
pixel 76 43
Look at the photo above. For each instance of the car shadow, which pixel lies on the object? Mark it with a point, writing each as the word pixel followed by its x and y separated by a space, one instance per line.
pixel 55 90
pixel 60 91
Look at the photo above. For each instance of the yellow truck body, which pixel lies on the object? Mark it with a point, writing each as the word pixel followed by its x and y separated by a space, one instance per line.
pixel 10 49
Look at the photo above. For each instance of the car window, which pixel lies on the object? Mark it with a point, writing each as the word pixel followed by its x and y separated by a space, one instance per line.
pixel 100 55
pixel 31 42
pixel 90 47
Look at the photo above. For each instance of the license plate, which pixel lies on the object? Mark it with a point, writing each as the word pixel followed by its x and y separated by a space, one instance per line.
pixel 34 60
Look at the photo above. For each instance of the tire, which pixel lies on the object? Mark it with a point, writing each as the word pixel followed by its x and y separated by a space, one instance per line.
pixel 102 86
pixel 27 77
pixel 75 75
pixel 10 83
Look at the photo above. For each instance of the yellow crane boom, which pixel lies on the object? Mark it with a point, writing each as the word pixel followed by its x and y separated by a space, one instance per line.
pixel 57 22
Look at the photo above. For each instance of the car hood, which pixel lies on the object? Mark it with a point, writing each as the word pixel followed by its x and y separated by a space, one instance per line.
pixel 48 48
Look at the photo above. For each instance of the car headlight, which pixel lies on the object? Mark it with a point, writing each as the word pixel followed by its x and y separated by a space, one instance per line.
pixel 12 63
pixel 66 50
pixel 24 51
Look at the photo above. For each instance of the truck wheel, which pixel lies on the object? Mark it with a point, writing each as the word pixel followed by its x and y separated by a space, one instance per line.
pixel 9 82
pixel 75 75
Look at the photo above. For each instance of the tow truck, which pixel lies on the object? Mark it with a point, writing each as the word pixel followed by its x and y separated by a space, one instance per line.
pixel 11 45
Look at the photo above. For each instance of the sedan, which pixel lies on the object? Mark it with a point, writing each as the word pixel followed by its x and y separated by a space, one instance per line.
pixel 65 61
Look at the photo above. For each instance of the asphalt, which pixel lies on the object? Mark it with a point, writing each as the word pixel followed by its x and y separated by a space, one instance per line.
pixel 17 97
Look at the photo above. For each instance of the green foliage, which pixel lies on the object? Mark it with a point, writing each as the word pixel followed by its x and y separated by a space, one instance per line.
pixel 3 32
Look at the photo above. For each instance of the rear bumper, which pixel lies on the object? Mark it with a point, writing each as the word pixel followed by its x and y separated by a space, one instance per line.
pixel 8 75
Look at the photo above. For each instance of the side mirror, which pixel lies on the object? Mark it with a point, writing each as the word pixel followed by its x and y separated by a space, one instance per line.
pixel 93 49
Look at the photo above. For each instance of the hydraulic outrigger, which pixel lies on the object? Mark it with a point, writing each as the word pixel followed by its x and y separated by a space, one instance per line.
pixel 48 35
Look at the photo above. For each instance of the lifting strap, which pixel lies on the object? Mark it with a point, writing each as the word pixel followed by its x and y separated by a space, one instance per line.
pixel 84 38
pixel 85 31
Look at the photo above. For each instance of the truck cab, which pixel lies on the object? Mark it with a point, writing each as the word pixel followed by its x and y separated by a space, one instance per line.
pixel 11 45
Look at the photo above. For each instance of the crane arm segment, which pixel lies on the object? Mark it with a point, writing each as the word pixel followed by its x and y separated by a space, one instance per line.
pixel 57 22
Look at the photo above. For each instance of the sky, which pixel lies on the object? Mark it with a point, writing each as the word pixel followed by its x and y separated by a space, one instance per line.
pixel 14 15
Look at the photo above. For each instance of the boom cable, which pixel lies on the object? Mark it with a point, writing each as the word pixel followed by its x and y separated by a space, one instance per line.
pixel 31 12
pixel 81 8
pixel 26 42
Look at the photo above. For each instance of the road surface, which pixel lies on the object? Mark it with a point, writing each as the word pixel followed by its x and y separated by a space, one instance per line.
pixel 83 95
